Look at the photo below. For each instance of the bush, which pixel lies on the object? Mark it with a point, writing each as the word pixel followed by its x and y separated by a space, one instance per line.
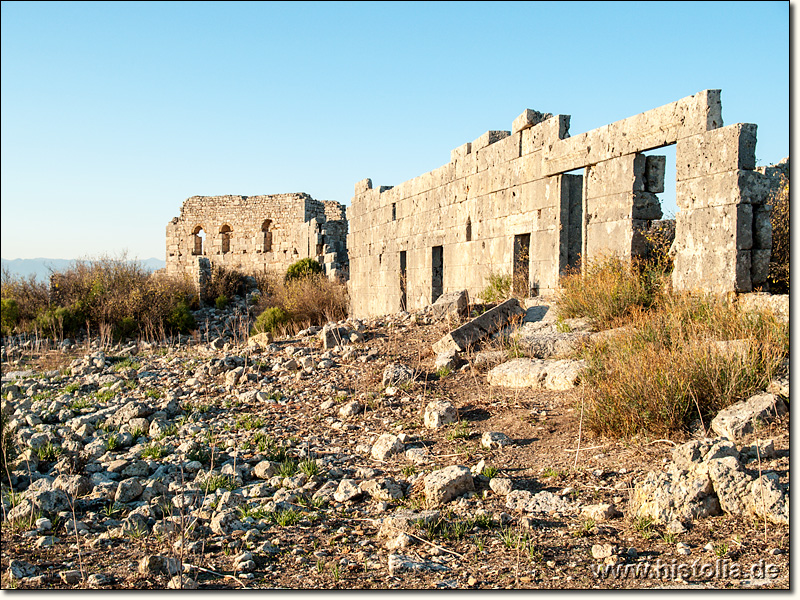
pixel 224 283
pixel 221 302
pixel 498 287
pixel 611 290
pixel 31 297
pixel 303 268
pixel 181 319
pixel 270 321
pixel 9 315
pixel 667 368
pixel 779 262
pixel 117 295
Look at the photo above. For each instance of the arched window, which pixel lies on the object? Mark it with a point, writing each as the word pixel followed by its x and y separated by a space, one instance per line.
pixel 267 235
pixel 198 236
pixel 225 234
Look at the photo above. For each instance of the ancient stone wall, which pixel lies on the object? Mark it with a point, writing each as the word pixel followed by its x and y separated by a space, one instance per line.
pixel 508 203
pixel 256 233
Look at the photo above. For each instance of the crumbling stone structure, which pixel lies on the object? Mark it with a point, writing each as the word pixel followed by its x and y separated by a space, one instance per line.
pixel 256 233
pixel 509 202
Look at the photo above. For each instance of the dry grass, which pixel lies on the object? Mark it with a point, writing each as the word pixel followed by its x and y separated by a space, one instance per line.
pixel 611 290
pixel 310 300
pixel 667 369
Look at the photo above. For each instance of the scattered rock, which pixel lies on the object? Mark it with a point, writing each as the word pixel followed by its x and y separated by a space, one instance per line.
pixel 397 374
pixel 600 512
pixel 440 413
pixel 445 484
pixel 744 417
pixel 501 486
pixel 495 439
pixel 399 563
pixel 386 446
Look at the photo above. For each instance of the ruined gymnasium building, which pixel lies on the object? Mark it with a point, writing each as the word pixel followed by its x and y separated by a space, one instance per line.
pixel 512 202
pixel 256 233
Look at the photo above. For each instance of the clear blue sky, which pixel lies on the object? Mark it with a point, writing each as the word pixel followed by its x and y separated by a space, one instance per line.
pixel 114 113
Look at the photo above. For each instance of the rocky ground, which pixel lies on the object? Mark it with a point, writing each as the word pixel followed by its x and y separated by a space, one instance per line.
pixel 354 457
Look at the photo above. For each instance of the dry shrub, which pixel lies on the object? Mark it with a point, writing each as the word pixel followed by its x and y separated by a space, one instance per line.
pixel 224 282
pixel 310 300
pixel 29 295
pixel 107 293
pixel 779 262
pixel 666 369
pixel 611 290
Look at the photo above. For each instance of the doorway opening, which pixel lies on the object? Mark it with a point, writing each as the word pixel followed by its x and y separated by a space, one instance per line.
pixel 437 272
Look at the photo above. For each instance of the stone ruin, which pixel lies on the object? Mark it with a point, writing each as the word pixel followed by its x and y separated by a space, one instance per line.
pixel 256 234
pixel 510 203
pixel 532 203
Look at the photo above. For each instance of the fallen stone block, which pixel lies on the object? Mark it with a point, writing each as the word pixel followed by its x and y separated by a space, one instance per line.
pixel 532 372
pixel 452 303
pixel 480 327
pixel 744 417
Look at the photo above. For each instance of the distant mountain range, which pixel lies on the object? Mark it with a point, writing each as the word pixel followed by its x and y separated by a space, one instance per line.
pixel 42 267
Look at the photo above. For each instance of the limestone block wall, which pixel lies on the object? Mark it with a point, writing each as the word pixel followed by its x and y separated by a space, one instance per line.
pixel 508 203
pixel 256 233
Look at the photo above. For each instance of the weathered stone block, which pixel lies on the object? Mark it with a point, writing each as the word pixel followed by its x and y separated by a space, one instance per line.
pixel 726 149
pixel 759 266
pixel 489 322
pixel 619 175
pixel 733 187
pixel 488 138
pixel 544 134
pixel 743 417
pixel 445 484
pixel 762 226
pixel 528 119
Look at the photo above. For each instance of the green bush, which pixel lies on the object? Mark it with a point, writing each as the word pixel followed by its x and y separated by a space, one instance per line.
pixel 58 321
pixel 221 302
pixel 9 314
pixel 303 268
pixel 270 320
pixel 181 319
